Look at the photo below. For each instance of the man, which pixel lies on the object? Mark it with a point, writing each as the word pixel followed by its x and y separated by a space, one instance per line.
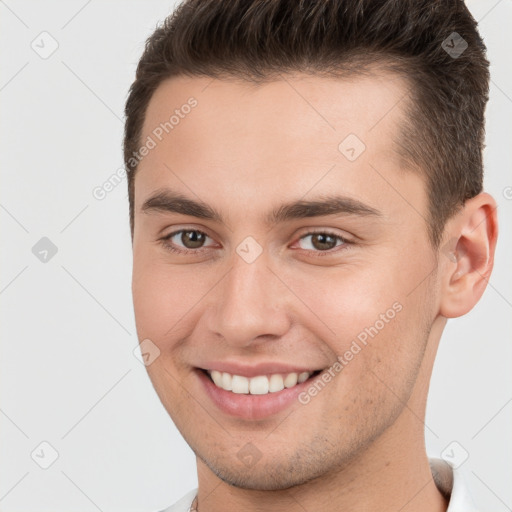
pixel 306 205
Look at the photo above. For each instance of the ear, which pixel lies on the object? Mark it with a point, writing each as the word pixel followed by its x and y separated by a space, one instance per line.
pixel 467 255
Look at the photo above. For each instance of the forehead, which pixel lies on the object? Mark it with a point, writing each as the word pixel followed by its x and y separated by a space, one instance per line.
pixel 265 141
pixel 296 107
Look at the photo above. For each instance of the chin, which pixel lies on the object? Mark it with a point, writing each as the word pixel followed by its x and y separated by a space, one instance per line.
pixel 260 482
pixel 266 476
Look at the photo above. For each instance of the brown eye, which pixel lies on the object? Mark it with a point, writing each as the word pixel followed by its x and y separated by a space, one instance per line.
pixel 192 239
pixel 321 241
pixel 186 241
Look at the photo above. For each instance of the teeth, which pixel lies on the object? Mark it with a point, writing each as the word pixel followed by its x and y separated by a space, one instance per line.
pixel 226 381
pixel 302 377
pixel 240 384
pixel 275 383
pixel 290 380
pixel 260 385
pixel 216 377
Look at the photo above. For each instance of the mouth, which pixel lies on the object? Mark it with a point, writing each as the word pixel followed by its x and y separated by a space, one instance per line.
pixel 260 384
pixel 254 398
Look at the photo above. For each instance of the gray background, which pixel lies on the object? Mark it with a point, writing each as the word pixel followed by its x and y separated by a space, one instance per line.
pixel 68 373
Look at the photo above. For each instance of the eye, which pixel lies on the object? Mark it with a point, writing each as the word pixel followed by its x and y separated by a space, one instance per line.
pixel 321 241
pixel 185 240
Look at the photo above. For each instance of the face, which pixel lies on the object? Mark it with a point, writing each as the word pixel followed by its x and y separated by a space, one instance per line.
pixel 276 234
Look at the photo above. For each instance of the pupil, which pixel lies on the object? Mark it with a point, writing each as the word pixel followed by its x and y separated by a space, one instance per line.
pixel 192 239
pixel 322 241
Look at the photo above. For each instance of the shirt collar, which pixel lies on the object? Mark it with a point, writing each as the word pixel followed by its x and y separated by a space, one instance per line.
pixel 451 483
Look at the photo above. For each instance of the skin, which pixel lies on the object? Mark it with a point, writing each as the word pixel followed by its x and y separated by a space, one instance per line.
pixel 246 150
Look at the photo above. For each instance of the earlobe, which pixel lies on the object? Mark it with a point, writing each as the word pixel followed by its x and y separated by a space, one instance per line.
pixel 468 255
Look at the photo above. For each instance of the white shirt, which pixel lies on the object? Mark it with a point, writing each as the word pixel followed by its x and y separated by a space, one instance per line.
pixel 449 480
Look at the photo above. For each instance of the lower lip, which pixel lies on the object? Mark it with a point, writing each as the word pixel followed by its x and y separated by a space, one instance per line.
pixel 252 407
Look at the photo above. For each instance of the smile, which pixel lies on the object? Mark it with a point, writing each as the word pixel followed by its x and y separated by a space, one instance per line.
pixel 258 385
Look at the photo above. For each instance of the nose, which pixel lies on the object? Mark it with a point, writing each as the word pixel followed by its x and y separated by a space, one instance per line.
pixel 249 306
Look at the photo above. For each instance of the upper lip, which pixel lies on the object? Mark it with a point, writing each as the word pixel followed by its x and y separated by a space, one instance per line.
pixel 253 370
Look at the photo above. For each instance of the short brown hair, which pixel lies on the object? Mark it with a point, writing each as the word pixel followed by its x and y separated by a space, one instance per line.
pixel 434 44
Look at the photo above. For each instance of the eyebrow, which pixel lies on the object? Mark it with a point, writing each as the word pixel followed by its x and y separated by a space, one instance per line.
pixel 167 201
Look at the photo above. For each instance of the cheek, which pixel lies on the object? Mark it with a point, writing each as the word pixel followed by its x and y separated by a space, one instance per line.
pixel 156 293
pixel 348 301
pixel 150 301
pixel 393 349
pixel 165 296
pixel 368 314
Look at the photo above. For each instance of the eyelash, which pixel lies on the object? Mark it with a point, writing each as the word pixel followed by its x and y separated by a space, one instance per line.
pixel 170 247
